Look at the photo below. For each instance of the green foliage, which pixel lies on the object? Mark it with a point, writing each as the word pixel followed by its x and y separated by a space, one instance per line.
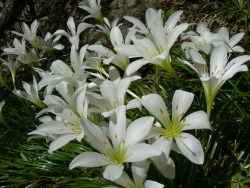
pixel 234 13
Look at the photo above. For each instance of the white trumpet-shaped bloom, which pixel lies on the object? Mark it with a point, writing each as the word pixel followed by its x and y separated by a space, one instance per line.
pixel 60 71
pixel 23 56
pixel 49 44
pixel 110 56
pixel 155 47
pixel 113 95
pixel 201 40
pixel 173 128
pixel 230 43
pixel 219 71
pixel 61 132
pixel 68 111
pixel 12 65
pixel 125 146
pixel 93 7
pixel 74 33
pixel 30 93
pixel 29 33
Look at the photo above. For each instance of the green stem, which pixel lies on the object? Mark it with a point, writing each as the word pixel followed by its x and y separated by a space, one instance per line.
pixel 157 75
pixel 2 81
pixel 2 120
pixel 167 66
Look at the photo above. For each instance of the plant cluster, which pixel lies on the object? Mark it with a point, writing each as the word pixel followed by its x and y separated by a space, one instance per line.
pixel 90 97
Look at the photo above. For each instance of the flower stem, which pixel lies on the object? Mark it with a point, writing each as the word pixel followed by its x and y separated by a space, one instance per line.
pixel 167 67
pixel 157 76
pixel 2 81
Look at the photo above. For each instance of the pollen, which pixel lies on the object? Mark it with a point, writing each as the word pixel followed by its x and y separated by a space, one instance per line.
pixel 222 73
pixel 161 111
pixel 184 119
pixel 215 67
pixel 105 142
pixel 116 136
pixel 115 43
pixel 70 114
pixel 177 107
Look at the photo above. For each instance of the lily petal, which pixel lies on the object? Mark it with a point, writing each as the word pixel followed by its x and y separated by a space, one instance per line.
pixel 138 130
pixel 138 23
pixel 61 141
pixel 197 120
pixel 113 172
pixel 141 151
pixel 191 148
pixel 164 145
pixel 136 65
pixel 165 165
pixel 172 20
pixel 89 159
pixel 182 100
pixel 95 135
pixel 156 106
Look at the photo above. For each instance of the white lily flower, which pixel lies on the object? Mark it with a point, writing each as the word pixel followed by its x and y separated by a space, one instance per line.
pixel 230 44
pixel 71 98
pixel 68 111
pixel 19 48
pixel 218 73
pixel 172 130
pixel 202 40
pixel 74 34
pixel 155 47
pixel 77 59
pixel 93 7
pixel 24 57
pixel 110 56
pixel 49 44
pixel 30 93
pixel 61 132
pixel 126 145
pixel 113 95
pixel 139 172
pixel 12 65
pixel 107 27
pixel 62 72
pixel 29 33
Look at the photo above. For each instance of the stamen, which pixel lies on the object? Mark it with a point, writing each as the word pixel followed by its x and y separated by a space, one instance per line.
pixel 161 111
pixel 177 107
